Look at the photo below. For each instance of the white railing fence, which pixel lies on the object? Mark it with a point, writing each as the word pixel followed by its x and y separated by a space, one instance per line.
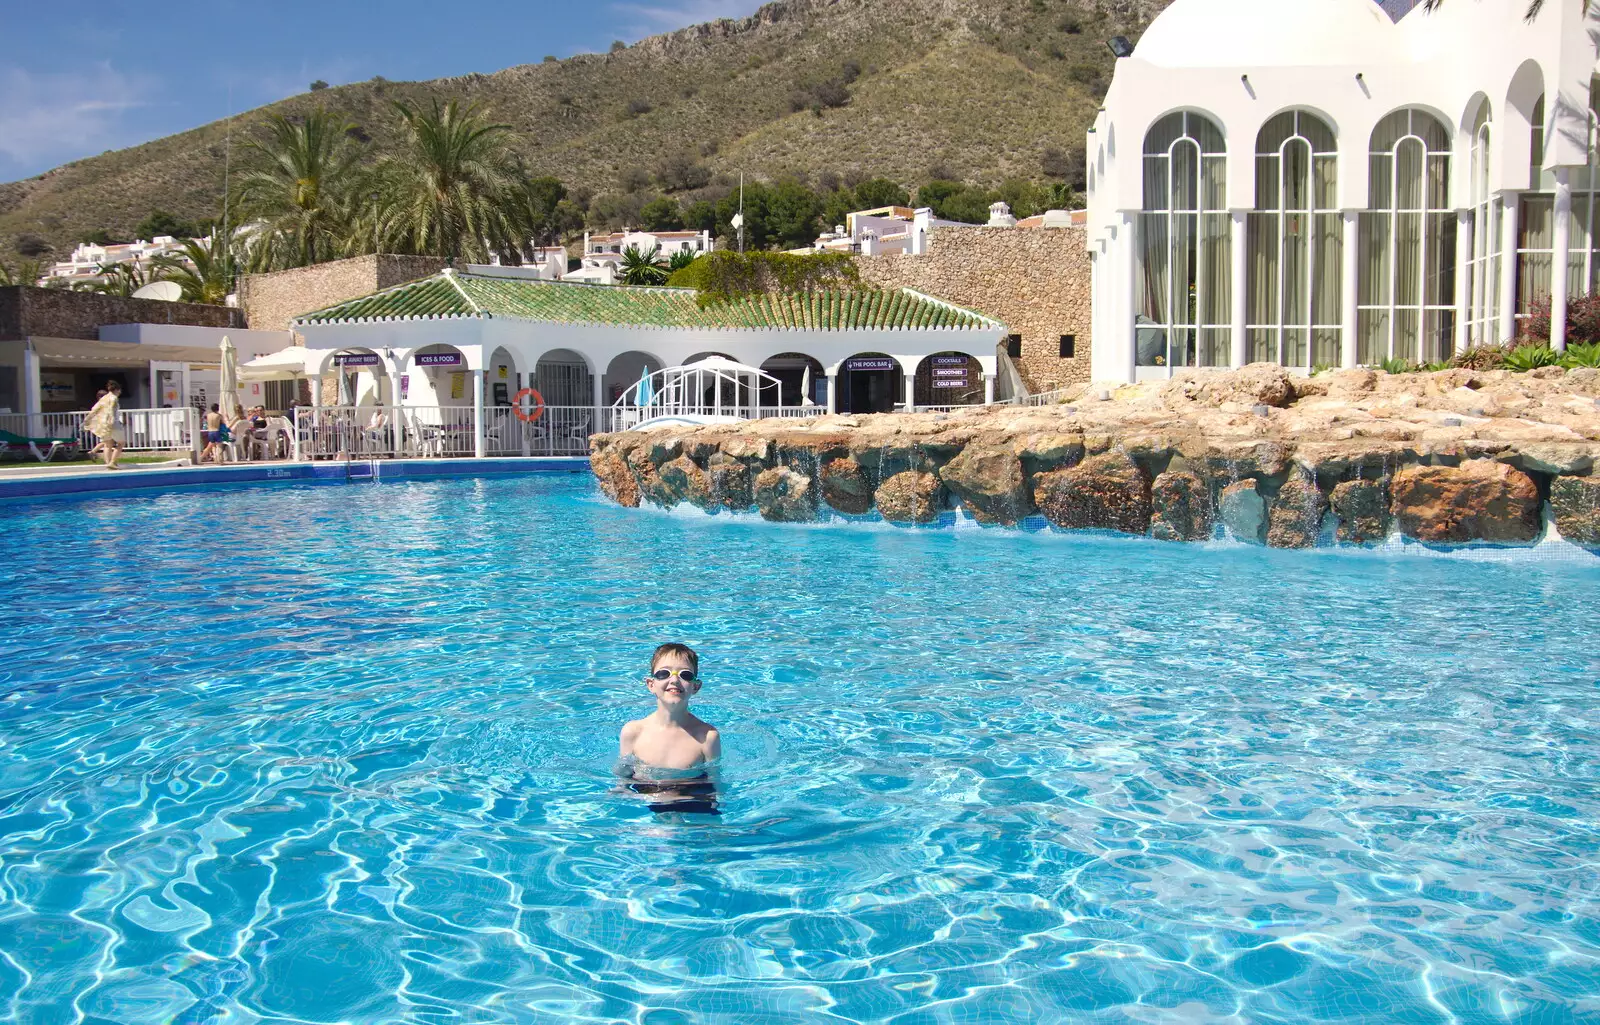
pixel 344 432
pixel 143 430
pixel 559 431
pixel 1044 398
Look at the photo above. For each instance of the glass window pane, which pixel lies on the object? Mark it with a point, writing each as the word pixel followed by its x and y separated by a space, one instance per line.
pixel 1216 183
pixel 1183 268
pixel 1155 183
pixel 1267 182
pixel 1216 270
pixel 1207 133
pixel 1318 132
pixel 1408 156
pixel 1325 347
pixel 1536 223
pixel 1440 272
pixel 1295 347
pixel 1216 347
pixel 1533 280
pixel 1372 277
pixel 1372 336
pixel 1163 134
pixel 1380 189
pixel 1274 132
pixel 1296 175
pixel 1408 259
pixel 1407 334
pixel 1432 131
pixel 1185 175
pixel 1154 277
pixel 1327 271
pixel 1389 131
pixel 1439 182
pixel 1327 183
pixel 1261 345
pixel 1296 306
pixel 1261 287
pixel 1438 335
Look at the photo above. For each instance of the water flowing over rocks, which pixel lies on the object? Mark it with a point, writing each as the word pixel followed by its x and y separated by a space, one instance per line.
pixel 1449 457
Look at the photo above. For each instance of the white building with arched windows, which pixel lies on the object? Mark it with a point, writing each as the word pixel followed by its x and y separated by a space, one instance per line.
pixel 1309 182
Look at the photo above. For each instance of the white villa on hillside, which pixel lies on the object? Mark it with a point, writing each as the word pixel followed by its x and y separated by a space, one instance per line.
pixel 86 260
pixel 602 254
pixel 1312 183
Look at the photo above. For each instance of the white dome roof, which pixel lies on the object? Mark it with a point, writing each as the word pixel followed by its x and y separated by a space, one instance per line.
pixel 1267 33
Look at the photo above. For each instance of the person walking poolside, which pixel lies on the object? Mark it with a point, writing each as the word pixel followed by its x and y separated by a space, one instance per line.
pixel 105 422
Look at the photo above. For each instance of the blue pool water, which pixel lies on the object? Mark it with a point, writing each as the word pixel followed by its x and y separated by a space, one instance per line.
pixel 343 754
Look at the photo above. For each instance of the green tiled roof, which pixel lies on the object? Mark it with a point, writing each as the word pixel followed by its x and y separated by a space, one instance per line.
pixel 449 294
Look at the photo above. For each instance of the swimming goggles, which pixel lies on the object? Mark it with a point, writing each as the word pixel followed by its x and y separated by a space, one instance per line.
pixel 686 675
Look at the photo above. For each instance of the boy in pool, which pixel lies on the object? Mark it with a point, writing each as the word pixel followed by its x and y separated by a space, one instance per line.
pixel 672 737
pixel 665 754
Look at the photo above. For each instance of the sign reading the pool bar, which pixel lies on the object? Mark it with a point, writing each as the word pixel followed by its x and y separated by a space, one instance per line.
pixel 870 363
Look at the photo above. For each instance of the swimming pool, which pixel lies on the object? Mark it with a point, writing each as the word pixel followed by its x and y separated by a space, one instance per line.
pixel 320 754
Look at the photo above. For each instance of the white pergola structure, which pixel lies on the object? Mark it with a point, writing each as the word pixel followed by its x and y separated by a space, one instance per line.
pixel 1312 183
pixel 714 387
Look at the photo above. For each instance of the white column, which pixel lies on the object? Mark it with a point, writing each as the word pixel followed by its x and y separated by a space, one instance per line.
pixel 911 389
pixel 1349 316
pixel 1463 277
pixel 1122 300
pixel 1558 272
pixel 32 398
pixel 833 391
pixel 599 405
pixel 988 389
pixel 1508 265
pixel 477 414
pixel 1239 223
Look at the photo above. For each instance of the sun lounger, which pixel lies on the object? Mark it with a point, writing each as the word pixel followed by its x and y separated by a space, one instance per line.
pixel 17 447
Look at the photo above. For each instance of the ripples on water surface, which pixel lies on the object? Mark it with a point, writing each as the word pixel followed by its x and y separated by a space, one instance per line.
pixel 343 754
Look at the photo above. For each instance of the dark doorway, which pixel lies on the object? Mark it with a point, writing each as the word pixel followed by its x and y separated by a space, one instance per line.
pixel 870 383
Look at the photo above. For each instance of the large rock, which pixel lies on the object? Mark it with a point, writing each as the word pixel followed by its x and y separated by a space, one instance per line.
pixel 1479 500
pixel 846 487
pixel 1105 492
pixel 682 481
pixel 784 496
pixel 1362 508
pixel 911 497
pixel 988 481
pixel 1259 384
pixel 616 480
pixel 1243 510
pixel 730 486
pixel 1575 503
pixel 1295 519
pixel 1180 507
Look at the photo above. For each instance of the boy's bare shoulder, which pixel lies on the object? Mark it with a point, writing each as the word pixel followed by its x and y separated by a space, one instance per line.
pixel 632 728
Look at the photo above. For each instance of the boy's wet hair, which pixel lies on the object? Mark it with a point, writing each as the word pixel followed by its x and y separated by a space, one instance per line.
pixel 683 651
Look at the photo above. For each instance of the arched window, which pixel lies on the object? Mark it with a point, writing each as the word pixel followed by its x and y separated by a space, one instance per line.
pixel 1184 252
pixel 1536 225
pixel 1483 276
pixel 1405 287
pixel 1583 264
pixel 1293 246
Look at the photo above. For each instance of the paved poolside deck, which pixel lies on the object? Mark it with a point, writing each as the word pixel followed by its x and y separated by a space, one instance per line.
pixel 45 481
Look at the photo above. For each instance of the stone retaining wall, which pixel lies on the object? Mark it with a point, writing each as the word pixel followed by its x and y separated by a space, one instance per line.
pixel 1448 458
pixel 1033 280
pixel 272 301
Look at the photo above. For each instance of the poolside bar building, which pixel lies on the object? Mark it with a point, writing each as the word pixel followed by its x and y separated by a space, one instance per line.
pixel 1339 183
pixel 449 354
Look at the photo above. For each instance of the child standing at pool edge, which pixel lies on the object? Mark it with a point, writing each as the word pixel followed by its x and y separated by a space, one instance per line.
pixel 672 737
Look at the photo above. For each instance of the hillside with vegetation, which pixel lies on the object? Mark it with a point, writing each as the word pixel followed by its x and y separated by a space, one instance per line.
pixel 821 93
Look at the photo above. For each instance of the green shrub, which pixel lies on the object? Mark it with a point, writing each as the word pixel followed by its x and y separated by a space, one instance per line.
pixel 1582 355
pixel 1481 357
pixel 1531 357
pixel 726 276
pixel 1397 365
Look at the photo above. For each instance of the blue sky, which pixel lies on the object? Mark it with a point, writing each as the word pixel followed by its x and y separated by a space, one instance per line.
pixel 79 79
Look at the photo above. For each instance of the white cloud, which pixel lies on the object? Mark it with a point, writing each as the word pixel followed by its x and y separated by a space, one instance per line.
pixel 651 18
pixel 54 116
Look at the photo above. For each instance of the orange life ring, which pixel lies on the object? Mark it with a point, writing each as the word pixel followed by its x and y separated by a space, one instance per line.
pixel 532 415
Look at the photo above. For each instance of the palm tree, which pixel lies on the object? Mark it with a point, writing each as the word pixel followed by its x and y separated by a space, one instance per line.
pixel 453 189
pixel 121 279
pixel 681 259
pixel 205 271
pixel 27 272
pixel 643 268
pixel 299 190
pixel 1534 7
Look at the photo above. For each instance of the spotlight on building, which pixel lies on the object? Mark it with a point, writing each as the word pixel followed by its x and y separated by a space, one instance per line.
pixel 1120 47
